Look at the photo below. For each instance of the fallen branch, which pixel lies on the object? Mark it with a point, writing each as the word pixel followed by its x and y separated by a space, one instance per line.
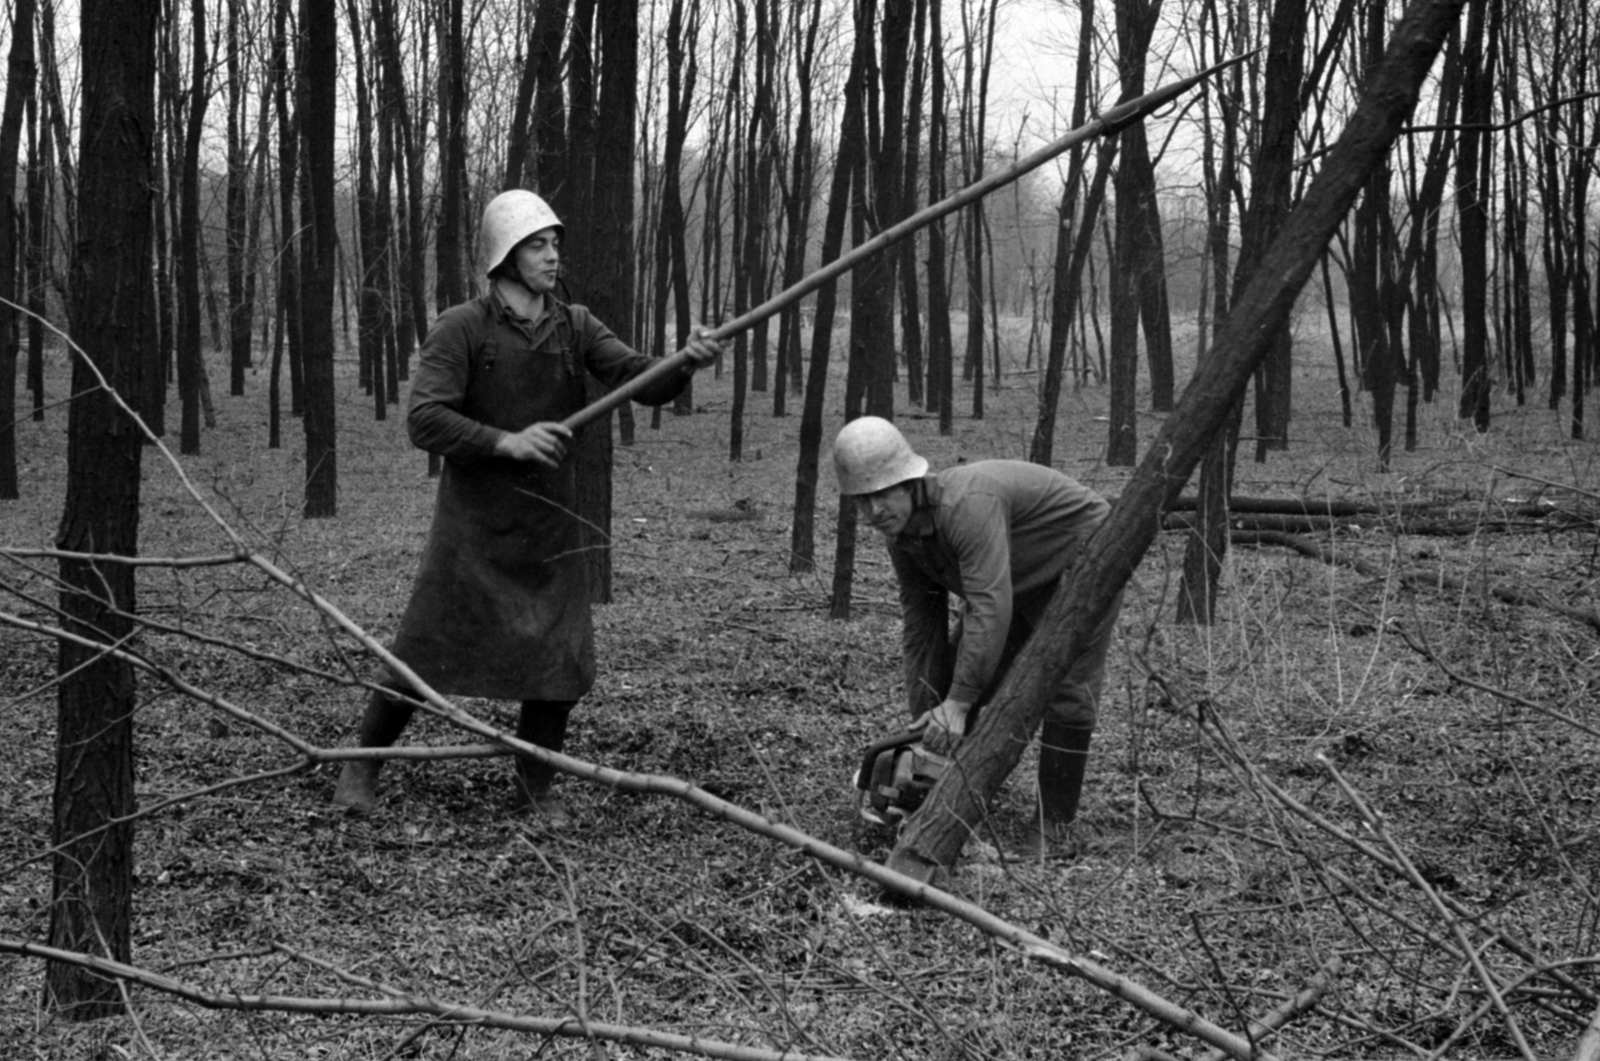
pixel 1303 1002
pixel 400 1004
pixel 1412 579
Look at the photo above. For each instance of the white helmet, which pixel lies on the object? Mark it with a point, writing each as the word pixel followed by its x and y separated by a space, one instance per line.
pixel 510 218
pixel 871 453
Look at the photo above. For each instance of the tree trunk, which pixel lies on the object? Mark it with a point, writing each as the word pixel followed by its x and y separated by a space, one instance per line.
pixel 19 94
pixel 449 288
pixel 608 270
pixel 237 207
pixel 1135 24
pixel 1271 198
pixel 1064 291
pixel 39 256
pixel 284 65
pixel 92 863
pixel 1207 544
pixel 760 163
pixel 372 290
pixel 1477 101
pixel 911 339
pixel 317 110
pixel 796 205
pixel 802 542
pixel 742 252
pixel 934 835
pixel 189 337
pixel 941 345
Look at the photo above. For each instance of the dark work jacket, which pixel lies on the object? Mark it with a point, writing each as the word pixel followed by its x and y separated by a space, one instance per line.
pixel 500 608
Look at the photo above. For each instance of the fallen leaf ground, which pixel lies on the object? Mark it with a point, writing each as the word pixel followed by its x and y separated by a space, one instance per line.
pixel 719 665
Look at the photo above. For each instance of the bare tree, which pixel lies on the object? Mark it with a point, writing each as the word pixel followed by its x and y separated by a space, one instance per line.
pixel 19 94
pixel 237 199
pixel 450 237
pixel 941 343
pixel 92 864
pixel 1473 159
pixel 797 196
pixel 189 343
pixel 287 333
pixel 1070 236
pixel 316 109
pixel 802 541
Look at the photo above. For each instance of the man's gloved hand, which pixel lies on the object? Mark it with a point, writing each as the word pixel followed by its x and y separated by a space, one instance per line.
pixel 945 726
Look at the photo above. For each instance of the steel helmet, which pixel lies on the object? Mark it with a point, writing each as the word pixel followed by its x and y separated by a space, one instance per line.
pixel 871 453
pixel 510 218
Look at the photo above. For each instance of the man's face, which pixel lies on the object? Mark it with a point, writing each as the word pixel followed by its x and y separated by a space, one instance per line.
pixel 888 510
pixel 538 260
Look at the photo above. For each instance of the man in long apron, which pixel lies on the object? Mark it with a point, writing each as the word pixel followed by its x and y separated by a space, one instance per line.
pixel 501 605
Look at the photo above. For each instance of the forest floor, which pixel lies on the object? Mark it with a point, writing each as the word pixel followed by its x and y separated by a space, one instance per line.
pixel 1225 866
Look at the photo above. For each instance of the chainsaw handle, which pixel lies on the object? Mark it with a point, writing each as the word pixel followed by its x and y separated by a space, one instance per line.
pixel 903 739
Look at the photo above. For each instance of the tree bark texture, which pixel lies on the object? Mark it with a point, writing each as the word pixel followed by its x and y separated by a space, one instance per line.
pixel 319 67
pixel 92 866
pixel 19 94
pixel 934 836
pixel 803 538
pixel 188 250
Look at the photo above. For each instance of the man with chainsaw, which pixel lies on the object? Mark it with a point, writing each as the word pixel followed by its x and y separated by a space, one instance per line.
pixel 998 534
pixel 501 603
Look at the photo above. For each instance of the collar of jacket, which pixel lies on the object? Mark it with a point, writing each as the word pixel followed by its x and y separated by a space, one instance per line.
pixel 925 494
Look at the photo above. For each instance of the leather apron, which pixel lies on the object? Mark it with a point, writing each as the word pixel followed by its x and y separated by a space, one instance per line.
pixel 501 605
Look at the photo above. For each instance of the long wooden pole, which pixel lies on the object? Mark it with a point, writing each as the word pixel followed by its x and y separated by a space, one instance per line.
pixel 1111 122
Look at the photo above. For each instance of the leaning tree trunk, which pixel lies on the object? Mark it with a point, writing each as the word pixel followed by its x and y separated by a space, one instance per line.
pixel 92 861
pixel 934 836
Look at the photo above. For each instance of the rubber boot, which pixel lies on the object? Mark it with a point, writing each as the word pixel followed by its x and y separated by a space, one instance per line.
pixel 543 723
pixel 382 723
pixel 1063 761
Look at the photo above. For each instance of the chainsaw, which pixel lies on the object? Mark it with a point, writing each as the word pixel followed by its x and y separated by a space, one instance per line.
pixel 896 775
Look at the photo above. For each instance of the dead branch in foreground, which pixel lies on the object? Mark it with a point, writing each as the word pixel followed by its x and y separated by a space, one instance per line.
pixel 399 1003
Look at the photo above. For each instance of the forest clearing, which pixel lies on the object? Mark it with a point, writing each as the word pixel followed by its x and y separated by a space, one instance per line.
pixel 1364 797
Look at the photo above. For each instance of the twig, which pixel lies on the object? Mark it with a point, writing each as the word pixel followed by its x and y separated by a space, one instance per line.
pixel 1427 653
pixel 1303 1002
pixel 1411 579
pixel 1375 821
pixel 1589 1043
pixel 399 1003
